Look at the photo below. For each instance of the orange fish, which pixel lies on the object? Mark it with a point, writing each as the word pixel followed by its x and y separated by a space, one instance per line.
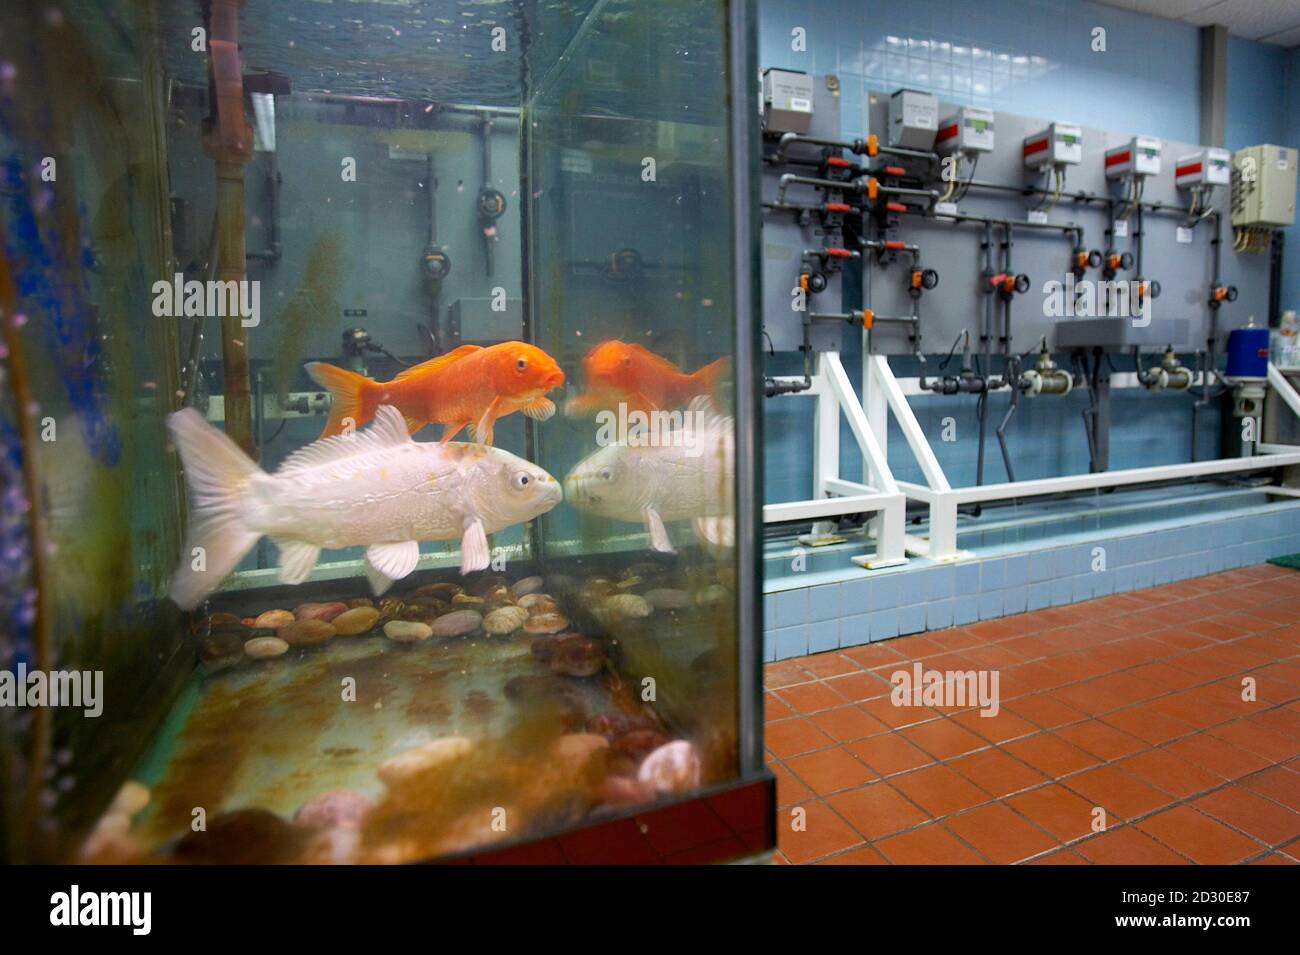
pixel 469 386
pixel 622 373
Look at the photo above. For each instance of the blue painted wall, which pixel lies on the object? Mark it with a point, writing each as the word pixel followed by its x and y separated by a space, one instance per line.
pixel 1032 57
pixel 1264 107
pixel 1257 93
pixel 1291 137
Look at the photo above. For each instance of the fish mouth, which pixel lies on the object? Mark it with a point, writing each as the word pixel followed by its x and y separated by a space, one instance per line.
pixel 553 495
pixel 579 490
pixel 554 380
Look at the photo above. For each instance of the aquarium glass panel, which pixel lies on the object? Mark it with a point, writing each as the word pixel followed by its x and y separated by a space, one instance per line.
pixel 369 428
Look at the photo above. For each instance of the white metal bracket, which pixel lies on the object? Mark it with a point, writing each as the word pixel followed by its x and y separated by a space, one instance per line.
pixel 834 496
pixel 944 500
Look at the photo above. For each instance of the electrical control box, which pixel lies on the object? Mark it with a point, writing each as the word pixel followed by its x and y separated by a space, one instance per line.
pixel 787 101
pixel 913 119
pixel 969 130
pixel 1209 167
pixel 1140 156
pixel 1263 186
pixel 1058 145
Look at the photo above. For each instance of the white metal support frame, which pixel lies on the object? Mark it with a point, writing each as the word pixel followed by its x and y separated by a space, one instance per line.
pixel 834 495
pixel 884 391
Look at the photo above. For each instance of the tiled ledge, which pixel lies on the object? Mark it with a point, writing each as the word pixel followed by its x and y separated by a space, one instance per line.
pixel 821 613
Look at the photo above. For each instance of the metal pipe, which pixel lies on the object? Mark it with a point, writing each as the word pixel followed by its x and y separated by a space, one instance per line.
pixel 1086 198
pixel 196 334
pixel 433 198
pixel 1002 433
pixel 932 194
pixel 271 254
pixel 789 139
pixel 230 143
pixel 259 436
pixel 791 178
pixel 773 387
pixel 466 109
pixel 489 227
pixel 907 153
pixel 1067 229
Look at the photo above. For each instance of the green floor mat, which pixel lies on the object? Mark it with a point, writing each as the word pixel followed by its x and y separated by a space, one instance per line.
pixel 1290 560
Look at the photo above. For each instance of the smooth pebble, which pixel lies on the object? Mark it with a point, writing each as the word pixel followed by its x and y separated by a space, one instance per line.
pixel 457 623
pixel 546 623
pixel 261 648
pixel 421 759
pixel 356 621
pixel 505 620
pixel 528 585
pixel 305 633
pixel 672 768
pixel 407 631
pixel 319 611
pixel 668 598
pixel 629 605
pixel 273 619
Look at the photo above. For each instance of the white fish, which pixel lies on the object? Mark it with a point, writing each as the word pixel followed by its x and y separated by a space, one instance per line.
pixel 376 488
pixel 686 474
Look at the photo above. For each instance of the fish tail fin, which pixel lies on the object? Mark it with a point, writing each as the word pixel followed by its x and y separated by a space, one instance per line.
pixel 217 473
pixel 707 379
pixel 352 395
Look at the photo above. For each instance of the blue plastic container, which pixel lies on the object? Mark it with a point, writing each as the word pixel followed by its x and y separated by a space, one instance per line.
pixel 1248 353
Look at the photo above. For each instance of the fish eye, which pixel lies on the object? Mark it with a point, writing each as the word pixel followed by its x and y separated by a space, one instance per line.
pixel 606 474
pixel 521 480
pixel 521 364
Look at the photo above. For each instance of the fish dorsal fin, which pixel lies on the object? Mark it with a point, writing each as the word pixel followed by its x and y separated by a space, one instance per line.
pixel 704 415
pixel 388 430
pixel 427 366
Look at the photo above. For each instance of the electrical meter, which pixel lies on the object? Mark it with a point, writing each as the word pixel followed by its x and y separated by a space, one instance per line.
pixel 969 130
pixel 787 101
pixel 1263 186
pixel 1140 156
pixel 1058 145
pixel 1209 167
pixel 913 119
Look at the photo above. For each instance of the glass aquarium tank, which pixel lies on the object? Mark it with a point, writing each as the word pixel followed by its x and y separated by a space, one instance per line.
pixel 377 432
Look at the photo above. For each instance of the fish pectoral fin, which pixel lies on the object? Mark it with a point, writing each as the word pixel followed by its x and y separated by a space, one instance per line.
pixel 483 430
pixel 386 563
pixel 379 581
pixel 474 548
pixel 654 525
pixel 394 561
pixel 716 531
pixel 297 558
pixel 539 409
pixel 640 401
pixel 413 424
pixel 582 405
pixel 451 431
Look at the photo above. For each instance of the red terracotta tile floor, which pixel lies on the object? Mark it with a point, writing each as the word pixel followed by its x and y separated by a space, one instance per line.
pixel 1155 727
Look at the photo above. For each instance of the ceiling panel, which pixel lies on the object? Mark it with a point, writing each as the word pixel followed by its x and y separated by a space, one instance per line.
pixel 1272 21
